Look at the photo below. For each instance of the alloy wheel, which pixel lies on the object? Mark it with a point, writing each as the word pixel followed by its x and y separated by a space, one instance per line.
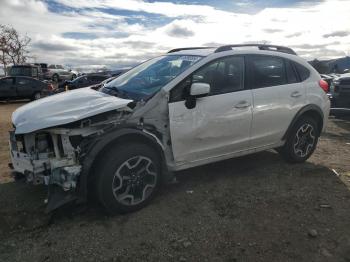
pixel 304 140
pixel 134 180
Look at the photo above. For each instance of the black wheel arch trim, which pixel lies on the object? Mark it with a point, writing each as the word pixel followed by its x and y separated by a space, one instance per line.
pixel 99 144
pixel 308 108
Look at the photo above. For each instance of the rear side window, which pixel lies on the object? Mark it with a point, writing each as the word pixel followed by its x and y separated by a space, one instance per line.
pixel 266 71
pixel 303 72
pixel 291 73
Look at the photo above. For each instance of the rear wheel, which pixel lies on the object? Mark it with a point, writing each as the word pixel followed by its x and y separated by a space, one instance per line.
pixel 301 142
pixel 128 177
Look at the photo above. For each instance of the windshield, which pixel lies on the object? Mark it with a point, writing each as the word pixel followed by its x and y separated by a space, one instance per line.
pixel 143 81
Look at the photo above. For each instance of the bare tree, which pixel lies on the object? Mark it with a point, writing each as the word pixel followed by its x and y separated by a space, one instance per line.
pixel 13 46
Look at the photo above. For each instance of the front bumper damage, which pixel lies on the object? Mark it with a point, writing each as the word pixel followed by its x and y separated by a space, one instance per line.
pixel 56 165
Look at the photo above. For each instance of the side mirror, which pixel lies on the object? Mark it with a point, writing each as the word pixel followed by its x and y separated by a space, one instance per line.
pixel 197 90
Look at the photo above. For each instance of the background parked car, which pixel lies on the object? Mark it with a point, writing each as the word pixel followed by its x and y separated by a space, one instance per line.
pixel 15 87
pixel 100 85
pixel 82 81
pixel 327 78
pixel 28 70
pixel 340 91
pixel 57 73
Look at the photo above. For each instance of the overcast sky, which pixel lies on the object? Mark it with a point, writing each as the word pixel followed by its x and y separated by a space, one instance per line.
pixel 119 33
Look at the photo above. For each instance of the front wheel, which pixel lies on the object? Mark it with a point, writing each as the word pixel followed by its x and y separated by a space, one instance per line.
pixel 301 142
pixel 128 177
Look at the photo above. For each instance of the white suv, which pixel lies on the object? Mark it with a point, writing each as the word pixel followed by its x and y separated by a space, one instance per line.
pixel 190 107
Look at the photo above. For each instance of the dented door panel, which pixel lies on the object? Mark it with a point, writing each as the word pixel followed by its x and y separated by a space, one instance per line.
pixel 216 126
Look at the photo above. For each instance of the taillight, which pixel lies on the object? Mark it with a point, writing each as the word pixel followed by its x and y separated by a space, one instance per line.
pixel 324 85
pixel 50 87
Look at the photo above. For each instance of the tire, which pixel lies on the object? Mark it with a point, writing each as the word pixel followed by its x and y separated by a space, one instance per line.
pixel 55 78
pixel 74 76
pixel 36 96
pixel 114 190
pixel 301 141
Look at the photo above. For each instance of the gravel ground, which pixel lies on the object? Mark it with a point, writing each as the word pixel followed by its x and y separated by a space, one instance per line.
pixel 253 208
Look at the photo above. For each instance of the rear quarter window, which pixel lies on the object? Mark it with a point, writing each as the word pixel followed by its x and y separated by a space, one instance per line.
pixel 292 76
pixel 303 72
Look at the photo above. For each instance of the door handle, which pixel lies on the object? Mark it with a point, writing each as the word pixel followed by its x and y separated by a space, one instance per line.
pixel 242 104
pixel 296 94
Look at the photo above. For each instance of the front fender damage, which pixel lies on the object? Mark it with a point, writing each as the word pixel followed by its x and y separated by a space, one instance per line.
pixel 65 161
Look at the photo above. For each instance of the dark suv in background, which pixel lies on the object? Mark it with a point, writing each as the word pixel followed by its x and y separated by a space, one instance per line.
pixel 26 70
pixel 340 91
pixel 19 87
pixel 83 81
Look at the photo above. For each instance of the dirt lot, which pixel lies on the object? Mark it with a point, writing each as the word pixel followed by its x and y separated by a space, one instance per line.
pixel 254 208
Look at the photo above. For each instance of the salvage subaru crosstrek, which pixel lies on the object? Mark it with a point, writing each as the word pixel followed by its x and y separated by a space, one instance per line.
pixel 190 107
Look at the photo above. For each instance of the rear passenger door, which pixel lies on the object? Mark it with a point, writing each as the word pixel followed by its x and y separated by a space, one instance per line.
pixel 278 95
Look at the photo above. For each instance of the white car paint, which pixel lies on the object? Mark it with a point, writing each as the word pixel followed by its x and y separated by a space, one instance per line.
pixel 215 127
pixel 63 109
pixel 273 111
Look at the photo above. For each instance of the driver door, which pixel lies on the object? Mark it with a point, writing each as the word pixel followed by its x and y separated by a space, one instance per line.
pixel 219 124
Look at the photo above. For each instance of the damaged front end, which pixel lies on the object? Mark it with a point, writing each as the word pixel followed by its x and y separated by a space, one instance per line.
pixel 52 155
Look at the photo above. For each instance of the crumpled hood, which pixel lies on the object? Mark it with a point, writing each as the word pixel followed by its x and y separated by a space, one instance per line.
pixel 64 108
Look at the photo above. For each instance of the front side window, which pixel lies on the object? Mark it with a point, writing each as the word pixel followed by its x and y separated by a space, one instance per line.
pixel 224 75
pixel 266 71
pixel 146 79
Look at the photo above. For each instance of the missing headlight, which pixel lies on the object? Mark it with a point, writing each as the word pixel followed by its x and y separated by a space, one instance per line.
pixel 43 143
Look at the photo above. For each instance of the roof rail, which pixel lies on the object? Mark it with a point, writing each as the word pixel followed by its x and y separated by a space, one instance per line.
pixel 275 48
pixel 188 48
